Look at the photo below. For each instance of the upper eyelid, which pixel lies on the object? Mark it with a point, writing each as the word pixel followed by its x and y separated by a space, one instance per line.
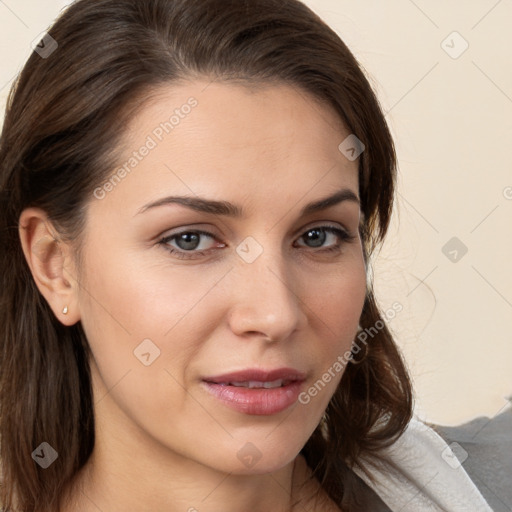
pixel 204 232
pixel 210 232
pixel 316 224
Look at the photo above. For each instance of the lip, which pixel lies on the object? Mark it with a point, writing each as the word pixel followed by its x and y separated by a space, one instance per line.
pixel 257 401
pixel 259 375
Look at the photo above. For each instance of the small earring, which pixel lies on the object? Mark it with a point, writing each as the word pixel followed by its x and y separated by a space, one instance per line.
pixel 65 310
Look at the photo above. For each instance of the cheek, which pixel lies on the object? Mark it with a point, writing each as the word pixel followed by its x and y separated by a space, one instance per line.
pixel 146 325
pixel 335 303
pixel 126 300
pixel 334 314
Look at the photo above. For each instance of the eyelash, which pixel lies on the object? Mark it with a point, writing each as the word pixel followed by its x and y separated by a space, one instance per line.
pixel 343 235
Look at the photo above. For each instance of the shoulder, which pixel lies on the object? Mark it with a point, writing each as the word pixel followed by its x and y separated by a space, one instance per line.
pixel 484 448
pixel 420 472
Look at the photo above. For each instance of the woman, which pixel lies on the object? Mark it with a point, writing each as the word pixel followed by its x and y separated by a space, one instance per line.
pixel 191 192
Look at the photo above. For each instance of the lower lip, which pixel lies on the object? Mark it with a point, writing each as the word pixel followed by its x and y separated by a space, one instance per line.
pixel 256 400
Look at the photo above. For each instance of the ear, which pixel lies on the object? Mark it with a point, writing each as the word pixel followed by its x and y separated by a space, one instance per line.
pixel 51 262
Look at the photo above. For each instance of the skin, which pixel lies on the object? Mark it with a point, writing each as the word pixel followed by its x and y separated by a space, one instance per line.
pixel 163 442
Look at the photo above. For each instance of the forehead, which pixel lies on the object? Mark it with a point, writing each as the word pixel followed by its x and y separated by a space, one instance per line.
pixel 219 138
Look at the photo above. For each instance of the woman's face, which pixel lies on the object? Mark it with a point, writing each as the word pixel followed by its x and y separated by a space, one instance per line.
pixel 176 298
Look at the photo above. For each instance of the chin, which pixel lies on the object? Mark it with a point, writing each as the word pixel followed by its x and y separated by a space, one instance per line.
pixel 261 454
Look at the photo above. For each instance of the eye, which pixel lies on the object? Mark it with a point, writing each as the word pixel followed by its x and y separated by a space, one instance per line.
pixel 189 244
pixel 317 236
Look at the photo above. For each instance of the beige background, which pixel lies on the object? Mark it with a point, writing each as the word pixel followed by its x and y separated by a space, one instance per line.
pixel 451 115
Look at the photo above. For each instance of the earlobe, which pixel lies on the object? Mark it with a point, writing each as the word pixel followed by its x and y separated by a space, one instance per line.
pixel 50 262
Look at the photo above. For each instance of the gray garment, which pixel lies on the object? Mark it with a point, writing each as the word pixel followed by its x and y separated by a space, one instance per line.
pixel 488 444
pixel 485 450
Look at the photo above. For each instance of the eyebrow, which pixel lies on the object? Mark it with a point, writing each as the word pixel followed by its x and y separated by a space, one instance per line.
pixel 227 209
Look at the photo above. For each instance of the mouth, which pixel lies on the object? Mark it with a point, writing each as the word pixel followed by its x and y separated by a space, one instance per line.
pixel 254 384
pixel 255 391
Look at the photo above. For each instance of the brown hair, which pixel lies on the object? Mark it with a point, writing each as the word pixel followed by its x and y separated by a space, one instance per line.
pixel 59 140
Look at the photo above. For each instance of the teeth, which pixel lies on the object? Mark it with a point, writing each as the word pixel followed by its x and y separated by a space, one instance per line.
pixel 257 384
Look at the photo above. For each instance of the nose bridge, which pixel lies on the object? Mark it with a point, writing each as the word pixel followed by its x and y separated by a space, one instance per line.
pixel 266 300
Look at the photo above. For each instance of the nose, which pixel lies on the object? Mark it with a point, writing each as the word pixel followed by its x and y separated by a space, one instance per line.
pixel 266 303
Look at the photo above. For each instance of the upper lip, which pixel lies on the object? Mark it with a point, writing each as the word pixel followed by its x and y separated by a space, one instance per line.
pixel 258 375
